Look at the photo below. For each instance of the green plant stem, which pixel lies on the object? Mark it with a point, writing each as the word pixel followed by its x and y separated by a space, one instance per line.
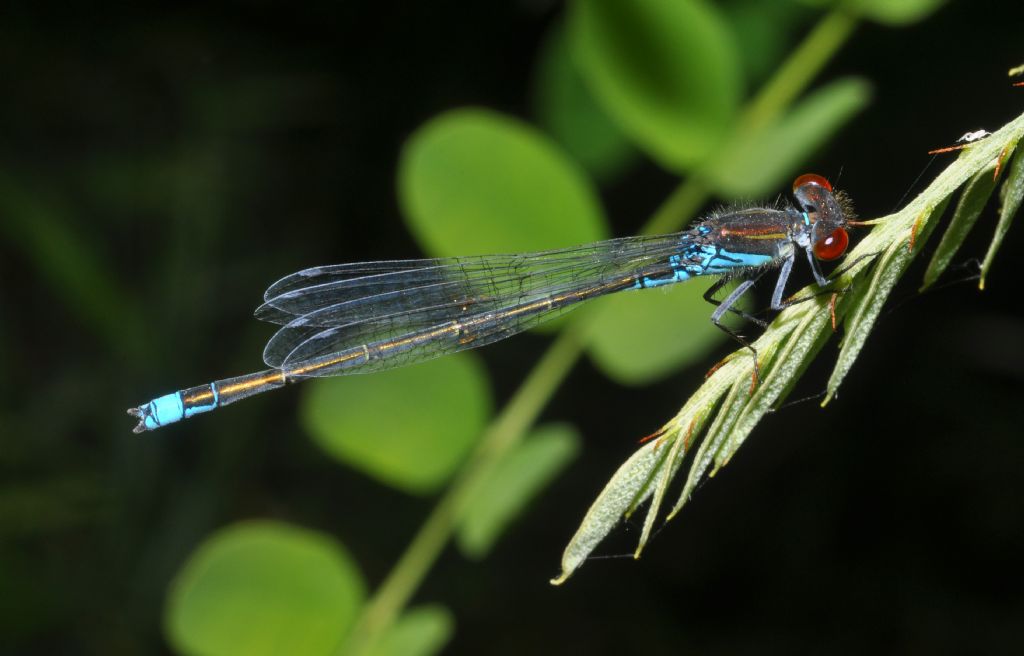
pixel 506 430
pixel 683 202
pixel 799 69
pixel 545 378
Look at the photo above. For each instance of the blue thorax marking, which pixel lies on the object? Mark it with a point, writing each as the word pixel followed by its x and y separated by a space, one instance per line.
pixel 807 219
pixel 714 260
pixel 733 260
pixel 702 259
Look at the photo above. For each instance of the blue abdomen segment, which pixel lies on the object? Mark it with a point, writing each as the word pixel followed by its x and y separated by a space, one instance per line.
pixel 183 404
pixel 171 408
pixel 161 411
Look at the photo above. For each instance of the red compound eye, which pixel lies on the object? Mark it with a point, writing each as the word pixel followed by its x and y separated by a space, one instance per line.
pixel 811 178
pixel 832 246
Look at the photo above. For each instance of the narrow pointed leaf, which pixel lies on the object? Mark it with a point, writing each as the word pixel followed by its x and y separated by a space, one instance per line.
pixel 717 432
pixel 635 481
pixel 1010 196
pixel 799 350
pixel 676 451
pixel 888 270
pixel 613 501
pixel 972 201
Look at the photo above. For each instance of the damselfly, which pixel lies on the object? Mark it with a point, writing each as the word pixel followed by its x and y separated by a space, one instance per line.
pixel 357 318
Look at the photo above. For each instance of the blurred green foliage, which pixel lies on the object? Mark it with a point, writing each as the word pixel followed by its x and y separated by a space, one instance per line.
pixel 889 12
pixel 422 631
pixel 567 109
pixel 518 478
pixel 756 162
pixel 264 588
pixel 401 426
pixel 668 72
pixel 473 181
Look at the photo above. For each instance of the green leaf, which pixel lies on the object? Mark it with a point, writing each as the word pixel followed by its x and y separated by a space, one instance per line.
pixel 639 337
pixel 628 483
pixel 568 111
pixel 1010 196
pixel 668 72
pixel 894 12
pixel 765 30
pixel 473 181
pixel 867 305
pixel 409 427
pixel 420 631
pixel 731 408
pixel 639 477
pixel 973 200
pixel 264 587
pixel 756 163
pixel 515 481
pixel 785 364
pixel 887 12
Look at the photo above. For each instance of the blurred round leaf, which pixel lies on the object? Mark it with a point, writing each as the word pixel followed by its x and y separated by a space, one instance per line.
pixel 474 181
pixel 889 12
pixel 762 161
pixel 264 588
pixel 765 29
pixel 667 71
pixel 517 479
pixel 408 427
pixel 568 111
pixel 638 337
pixel 421 631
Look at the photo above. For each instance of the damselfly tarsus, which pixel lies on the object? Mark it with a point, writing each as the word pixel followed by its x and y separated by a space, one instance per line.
pixel 371 316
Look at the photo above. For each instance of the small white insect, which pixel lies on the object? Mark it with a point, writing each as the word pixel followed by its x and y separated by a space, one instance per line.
pixel 971 137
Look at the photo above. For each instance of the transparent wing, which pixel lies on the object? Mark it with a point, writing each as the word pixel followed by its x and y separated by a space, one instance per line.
pixel 377 315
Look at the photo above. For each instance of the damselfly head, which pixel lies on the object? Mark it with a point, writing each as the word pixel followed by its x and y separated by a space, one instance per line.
pixel 825 212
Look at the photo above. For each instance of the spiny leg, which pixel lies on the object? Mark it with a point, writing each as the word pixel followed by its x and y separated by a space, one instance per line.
pixel 726 306
pixel 779 304
pixel 780 282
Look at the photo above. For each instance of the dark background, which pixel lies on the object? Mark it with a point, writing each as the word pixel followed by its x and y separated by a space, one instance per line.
pixel 242 141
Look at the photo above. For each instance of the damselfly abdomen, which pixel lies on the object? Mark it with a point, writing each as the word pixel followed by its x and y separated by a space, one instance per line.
pixel 371 316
